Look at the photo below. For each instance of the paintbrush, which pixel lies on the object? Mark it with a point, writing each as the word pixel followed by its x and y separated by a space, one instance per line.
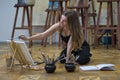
pixel 40 59
pixel 44 57
pixel 53 58
pixel 59 58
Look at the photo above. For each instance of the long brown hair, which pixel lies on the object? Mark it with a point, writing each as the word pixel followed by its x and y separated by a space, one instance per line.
pixel 75 28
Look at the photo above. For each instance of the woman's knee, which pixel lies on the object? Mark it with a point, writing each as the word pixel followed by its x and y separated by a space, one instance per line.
pixel 83 61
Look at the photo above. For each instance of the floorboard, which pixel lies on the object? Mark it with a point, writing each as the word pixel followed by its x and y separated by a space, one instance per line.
pixel 100 55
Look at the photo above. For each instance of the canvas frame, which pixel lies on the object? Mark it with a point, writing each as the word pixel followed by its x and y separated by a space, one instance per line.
pixel 21 53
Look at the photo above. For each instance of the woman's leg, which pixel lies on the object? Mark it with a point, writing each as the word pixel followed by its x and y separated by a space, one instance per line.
pixel 82 61
pixel 81 57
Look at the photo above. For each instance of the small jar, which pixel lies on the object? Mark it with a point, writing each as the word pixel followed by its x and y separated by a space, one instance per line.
pixel 70 67
pixel 50 68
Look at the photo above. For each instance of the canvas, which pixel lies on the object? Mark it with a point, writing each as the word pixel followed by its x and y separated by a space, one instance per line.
pixel 21 52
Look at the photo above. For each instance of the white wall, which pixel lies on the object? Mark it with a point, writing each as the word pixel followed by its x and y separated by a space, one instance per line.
pixel 39 14
pixel 7 14
pixel 6 18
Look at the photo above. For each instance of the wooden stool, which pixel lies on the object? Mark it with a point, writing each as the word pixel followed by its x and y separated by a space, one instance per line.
pixel 28 10
pixel 53 16
pixel 109 24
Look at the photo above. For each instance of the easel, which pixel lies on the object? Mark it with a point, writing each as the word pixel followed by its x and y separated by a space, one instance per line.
pixel 82 9
pixel 53 16
pixel 28 10
pixel 109 25
pixel 18 54
pixel 14 50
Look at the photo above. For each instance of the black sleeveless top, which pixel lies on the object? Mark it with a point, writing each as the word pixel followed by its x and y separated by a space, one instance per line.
pixel 65 38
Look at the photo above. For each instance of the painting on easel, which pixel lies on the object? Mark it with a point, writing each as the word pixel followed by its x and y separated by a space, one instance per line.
pixel 20 52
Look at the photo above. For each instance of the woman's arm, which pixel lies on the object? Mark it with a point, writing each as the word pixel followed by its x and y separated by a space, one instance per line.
pixel 69 49
pixel 42 35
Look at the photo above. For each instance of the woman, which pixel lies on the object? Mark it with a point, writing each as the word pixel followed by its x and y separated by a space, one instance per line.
pixel 71 35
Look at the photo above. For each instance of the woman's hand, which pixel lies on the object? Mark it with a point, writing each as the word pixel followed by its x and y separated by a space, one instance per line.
pixel 67 60
pixel 23 37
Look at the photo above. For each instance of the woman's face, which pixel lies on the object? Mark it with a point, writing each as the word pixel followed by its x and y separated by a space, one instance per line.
pixel 63 20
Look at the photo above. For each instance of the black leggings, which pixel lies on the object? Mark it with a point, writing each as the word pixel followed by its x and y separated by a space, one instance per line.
pixel 81 59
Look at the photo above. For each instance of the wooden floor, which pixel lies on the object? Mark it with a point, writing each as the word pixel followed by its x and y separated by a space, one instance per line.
pixel 100 55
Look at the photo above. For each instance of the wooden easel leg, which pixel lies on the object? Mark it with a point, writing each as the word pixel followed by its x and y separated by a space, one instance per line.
pixel 12 63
